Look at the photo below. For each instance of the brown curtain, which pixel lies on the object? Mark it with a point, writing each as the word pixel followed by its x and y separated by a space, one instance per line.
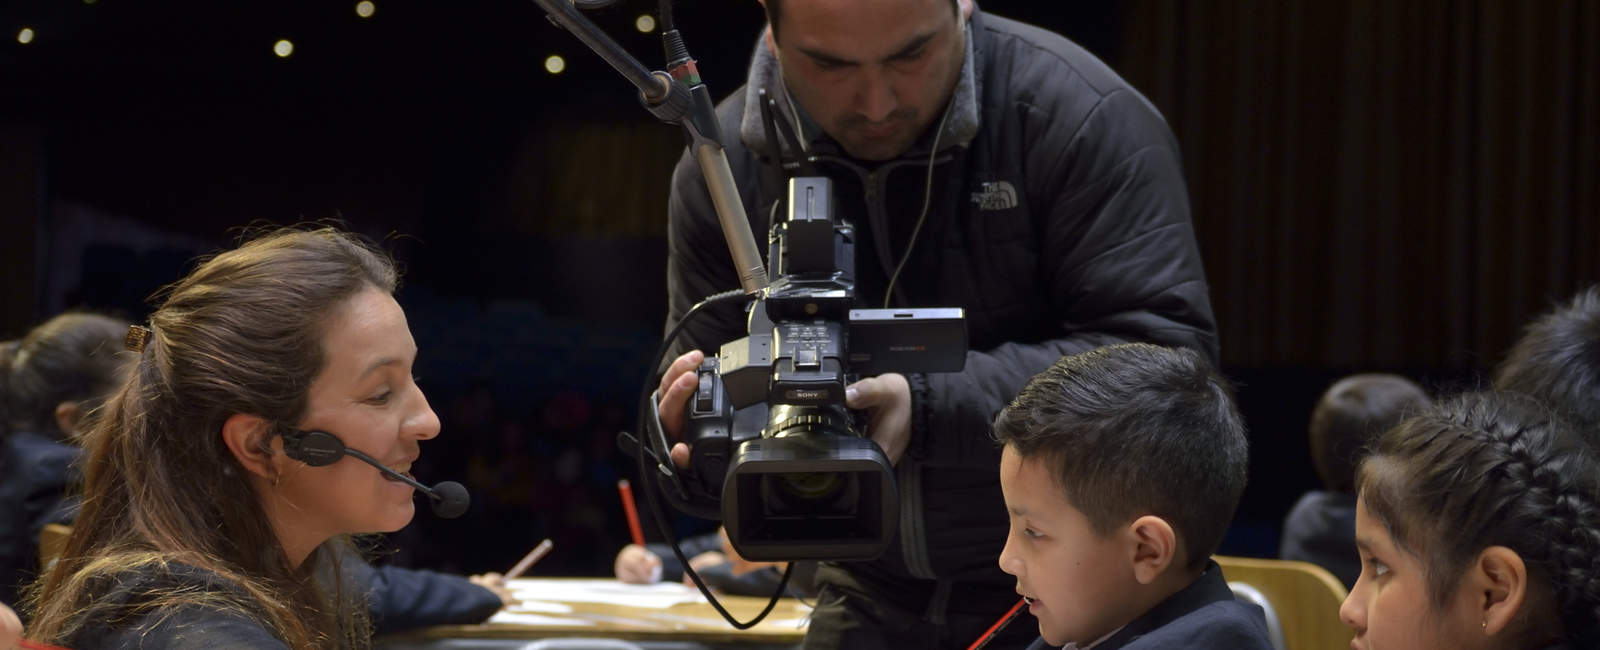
pixel 1394 183
pixel 592 178
pixel 21 195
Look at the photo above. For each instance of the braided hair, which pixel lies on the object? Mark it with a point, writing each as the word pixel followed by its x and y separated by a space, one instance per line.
pixel 1494 469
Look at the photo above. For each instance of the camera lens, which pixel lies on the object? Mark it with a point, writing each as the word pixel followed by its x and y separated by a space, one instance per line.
pixel 810 486
pixel 810 494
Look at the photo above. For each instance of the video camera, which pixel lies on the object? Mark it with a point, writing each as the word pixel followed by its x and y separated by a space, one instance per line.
pixel 772 439
pixel 769 432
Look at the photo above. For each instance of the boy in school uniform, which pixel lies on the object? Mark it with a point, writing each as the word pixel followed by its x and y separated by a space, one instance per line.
pixel 1121 469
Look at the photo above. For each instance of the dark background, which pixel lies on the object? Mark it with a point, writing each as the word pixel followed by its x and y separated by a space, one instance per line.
pixel 1376 185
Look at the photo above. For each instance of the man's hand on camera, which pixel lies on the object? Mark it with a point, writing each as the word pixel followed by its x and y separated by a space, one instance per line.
pixel 676 386
pixel 887 398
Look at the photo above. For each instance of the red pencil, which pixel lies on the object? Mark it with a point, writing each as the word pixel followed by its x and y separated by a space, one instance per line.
pixel 998 625
pixel 631 510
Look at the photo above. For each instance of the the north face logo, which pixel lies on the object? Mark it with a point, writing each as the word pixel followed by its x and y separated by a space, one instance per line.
pixel 996 195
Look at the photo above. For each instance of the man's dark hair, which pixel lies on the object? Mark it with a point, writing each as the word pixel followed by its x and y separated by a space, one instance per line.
pixel 1351 415
pixel 1136 430
pixel 1557 361
pixel 775 12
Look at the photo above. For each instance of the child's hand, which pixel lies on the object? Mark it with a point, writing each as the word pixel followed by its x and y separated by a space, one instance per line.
pixel 702 562
pixel 495 583
pixel 10 628
pixel 740 565
pixel 637 565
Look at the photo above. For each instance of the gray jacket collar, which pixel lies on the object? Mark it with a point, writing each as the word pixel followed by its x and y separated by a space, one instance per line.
pixel 959 128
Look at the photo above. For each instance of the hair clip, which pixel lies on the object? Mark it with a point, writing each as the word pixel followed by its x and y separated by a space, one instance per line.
pixel 137 336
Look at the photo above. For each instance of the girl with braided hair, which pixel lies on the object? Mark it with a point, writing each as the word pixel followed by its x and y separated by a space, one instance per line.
pixel 1478 524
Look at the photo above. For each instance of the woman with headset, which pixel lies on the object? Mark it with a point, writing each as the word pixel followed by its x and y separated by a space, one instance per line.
pixel 197 529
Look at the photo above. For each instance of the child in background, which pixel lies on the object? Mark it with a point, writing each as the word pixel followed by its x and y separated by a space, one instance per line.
pixel 712 556
pixel 51 380
pixel 1121 469
pixel 1351 414
pixel 1479 527
pixel 642 565
pixel 1557 361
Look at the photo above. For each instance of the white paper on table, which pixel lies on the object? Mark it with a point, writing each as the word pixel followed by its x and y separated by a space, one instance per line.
pixel 794 623
pixel 514 618
pixel 538 607
pixel 660 595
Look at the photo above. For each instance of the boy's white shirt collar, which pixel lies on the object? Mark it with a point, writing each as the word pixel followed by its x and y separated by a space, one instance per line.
pixel 1074 646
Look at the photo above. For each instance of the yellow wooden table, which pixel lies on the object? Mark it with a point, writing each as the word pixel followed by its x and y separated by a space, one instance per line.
pixel 606 609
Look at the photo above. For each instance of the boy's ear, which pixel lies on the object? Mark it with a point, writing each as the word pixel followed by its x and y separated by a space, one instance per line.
pixel 248 437
pixel 1154 546
pixel 1498 581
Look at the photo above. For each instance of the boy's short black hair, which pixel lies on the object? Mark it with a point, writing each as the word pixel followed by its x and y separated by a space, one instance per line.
pixel 1352 413
pixel 1136 430
pixel 1557 361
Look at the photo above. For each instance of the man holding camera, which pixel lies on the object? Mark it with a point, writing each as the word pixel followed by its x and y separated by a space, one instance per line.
pixel 988 165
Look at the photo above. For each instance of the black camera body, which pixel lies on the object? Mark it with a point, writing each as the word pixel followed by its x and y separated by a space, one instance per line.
pixel 769 432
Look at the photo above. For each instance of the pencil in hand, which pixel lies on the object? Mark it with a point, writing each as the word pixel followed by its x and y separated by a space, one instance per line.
pixel 631 511
pixel 527 561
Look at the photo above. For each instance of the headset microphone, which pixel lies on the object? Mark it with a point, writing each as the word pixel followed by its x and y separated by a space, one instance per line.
pixel 320 448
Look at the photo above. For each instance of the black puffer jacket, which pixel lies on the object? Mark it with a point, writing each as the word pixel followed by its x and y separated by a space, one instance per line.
pixel 125 619
pixel 1059 221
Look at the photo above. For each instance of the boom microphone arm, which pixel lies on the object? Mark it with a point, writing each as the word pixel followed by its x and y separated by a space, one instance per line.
pixel 679 98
